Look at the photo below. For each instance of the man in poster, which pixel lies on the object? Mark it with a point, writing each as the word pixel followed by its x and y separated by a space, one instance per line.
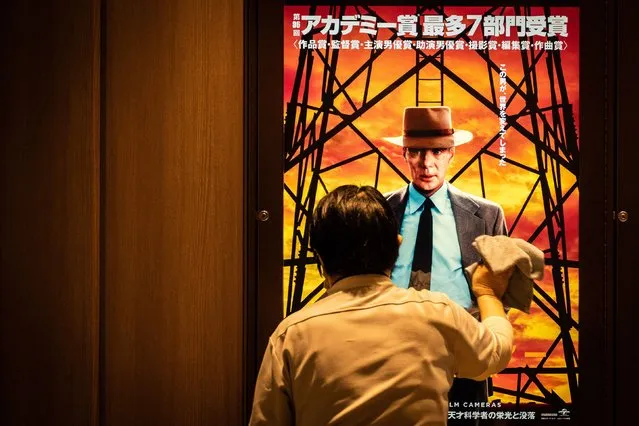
pixel 437 241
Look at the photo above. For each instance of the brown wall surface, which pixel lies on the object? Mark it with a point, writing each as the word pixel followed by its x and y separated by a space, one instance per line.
pixel 626 199
pixel 49 213
pixel 173 212
pixel 121 213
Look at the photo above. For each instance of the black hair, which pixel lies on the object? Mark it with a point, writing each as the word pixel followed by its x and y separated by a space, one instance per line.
pixel 354 232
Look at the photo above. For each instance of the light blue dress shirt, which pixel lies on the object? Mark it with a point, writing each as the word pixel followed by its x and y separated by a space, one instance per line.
pixel 447 274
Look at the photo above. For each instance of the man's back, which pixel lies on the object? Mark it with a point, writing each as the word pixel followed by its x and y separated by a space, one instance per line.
pixel 371 353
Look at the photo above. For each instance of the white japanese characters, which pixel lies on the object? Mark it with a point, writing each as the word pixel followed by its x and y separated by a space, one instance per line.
pixel 503 84
pixel 403 44
pixel 498 415
pixel 434 25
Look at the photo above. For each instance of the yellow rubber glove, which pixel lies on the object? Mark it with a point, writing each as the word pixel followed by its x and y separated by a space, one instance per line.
pixel 486 282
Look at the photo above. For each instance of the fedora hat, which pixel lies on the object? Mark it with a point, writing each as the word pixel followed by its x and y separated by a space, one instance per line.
pixel 429 127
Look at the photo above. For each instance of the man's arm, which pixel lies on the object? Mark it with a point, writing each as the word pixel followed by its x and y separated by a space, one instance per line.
pixel 482 348
pixel 272 404
pixel 490 306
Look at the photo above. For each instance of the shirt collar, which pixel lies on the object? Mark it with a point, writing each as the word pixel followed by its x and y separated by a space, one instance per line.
pixel 440 197
pixel 359 281
pixel 416 199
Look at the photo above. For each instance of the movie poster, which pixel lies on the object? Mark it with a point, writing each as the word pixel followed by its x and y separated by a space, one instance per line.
pixel 510 76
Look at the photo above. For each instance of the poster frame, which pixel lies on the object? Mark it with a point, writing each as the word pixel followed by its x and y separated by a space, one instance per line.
pixel 263 45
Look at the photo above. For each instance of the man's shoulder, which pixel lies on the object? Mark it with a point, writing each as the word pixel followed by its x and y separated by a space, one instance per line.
pixel 322 320
pixel 293 319
pixel 482 203
pixel 323 306
pixel 433 297
pixel 337 304
pixel 396 195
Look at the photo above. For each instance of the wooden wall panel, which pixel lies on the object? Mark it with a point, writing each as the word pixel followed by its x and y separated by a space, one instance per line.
pixel 627 199
pixel 49 213
pixel 594 399
pixel 173 212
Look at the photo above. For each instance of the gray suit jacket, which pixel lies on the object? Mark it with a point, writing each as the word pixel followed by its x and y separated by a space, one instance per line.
pixel 474 216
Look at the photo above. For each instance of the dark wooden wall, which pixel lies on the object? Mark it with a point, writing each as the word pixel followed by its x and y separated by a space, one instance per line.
pixel 49 217
pixel 173 212
pixel 121 161
pixel 626 199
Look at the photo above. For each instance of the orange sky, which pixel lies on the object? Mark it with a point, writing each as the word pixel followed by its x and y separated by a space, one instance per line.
pixel 509 186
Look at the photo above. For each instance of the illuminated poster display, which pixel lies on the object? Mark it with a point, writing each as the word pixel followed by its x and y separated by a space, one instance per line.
pixel 510 77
